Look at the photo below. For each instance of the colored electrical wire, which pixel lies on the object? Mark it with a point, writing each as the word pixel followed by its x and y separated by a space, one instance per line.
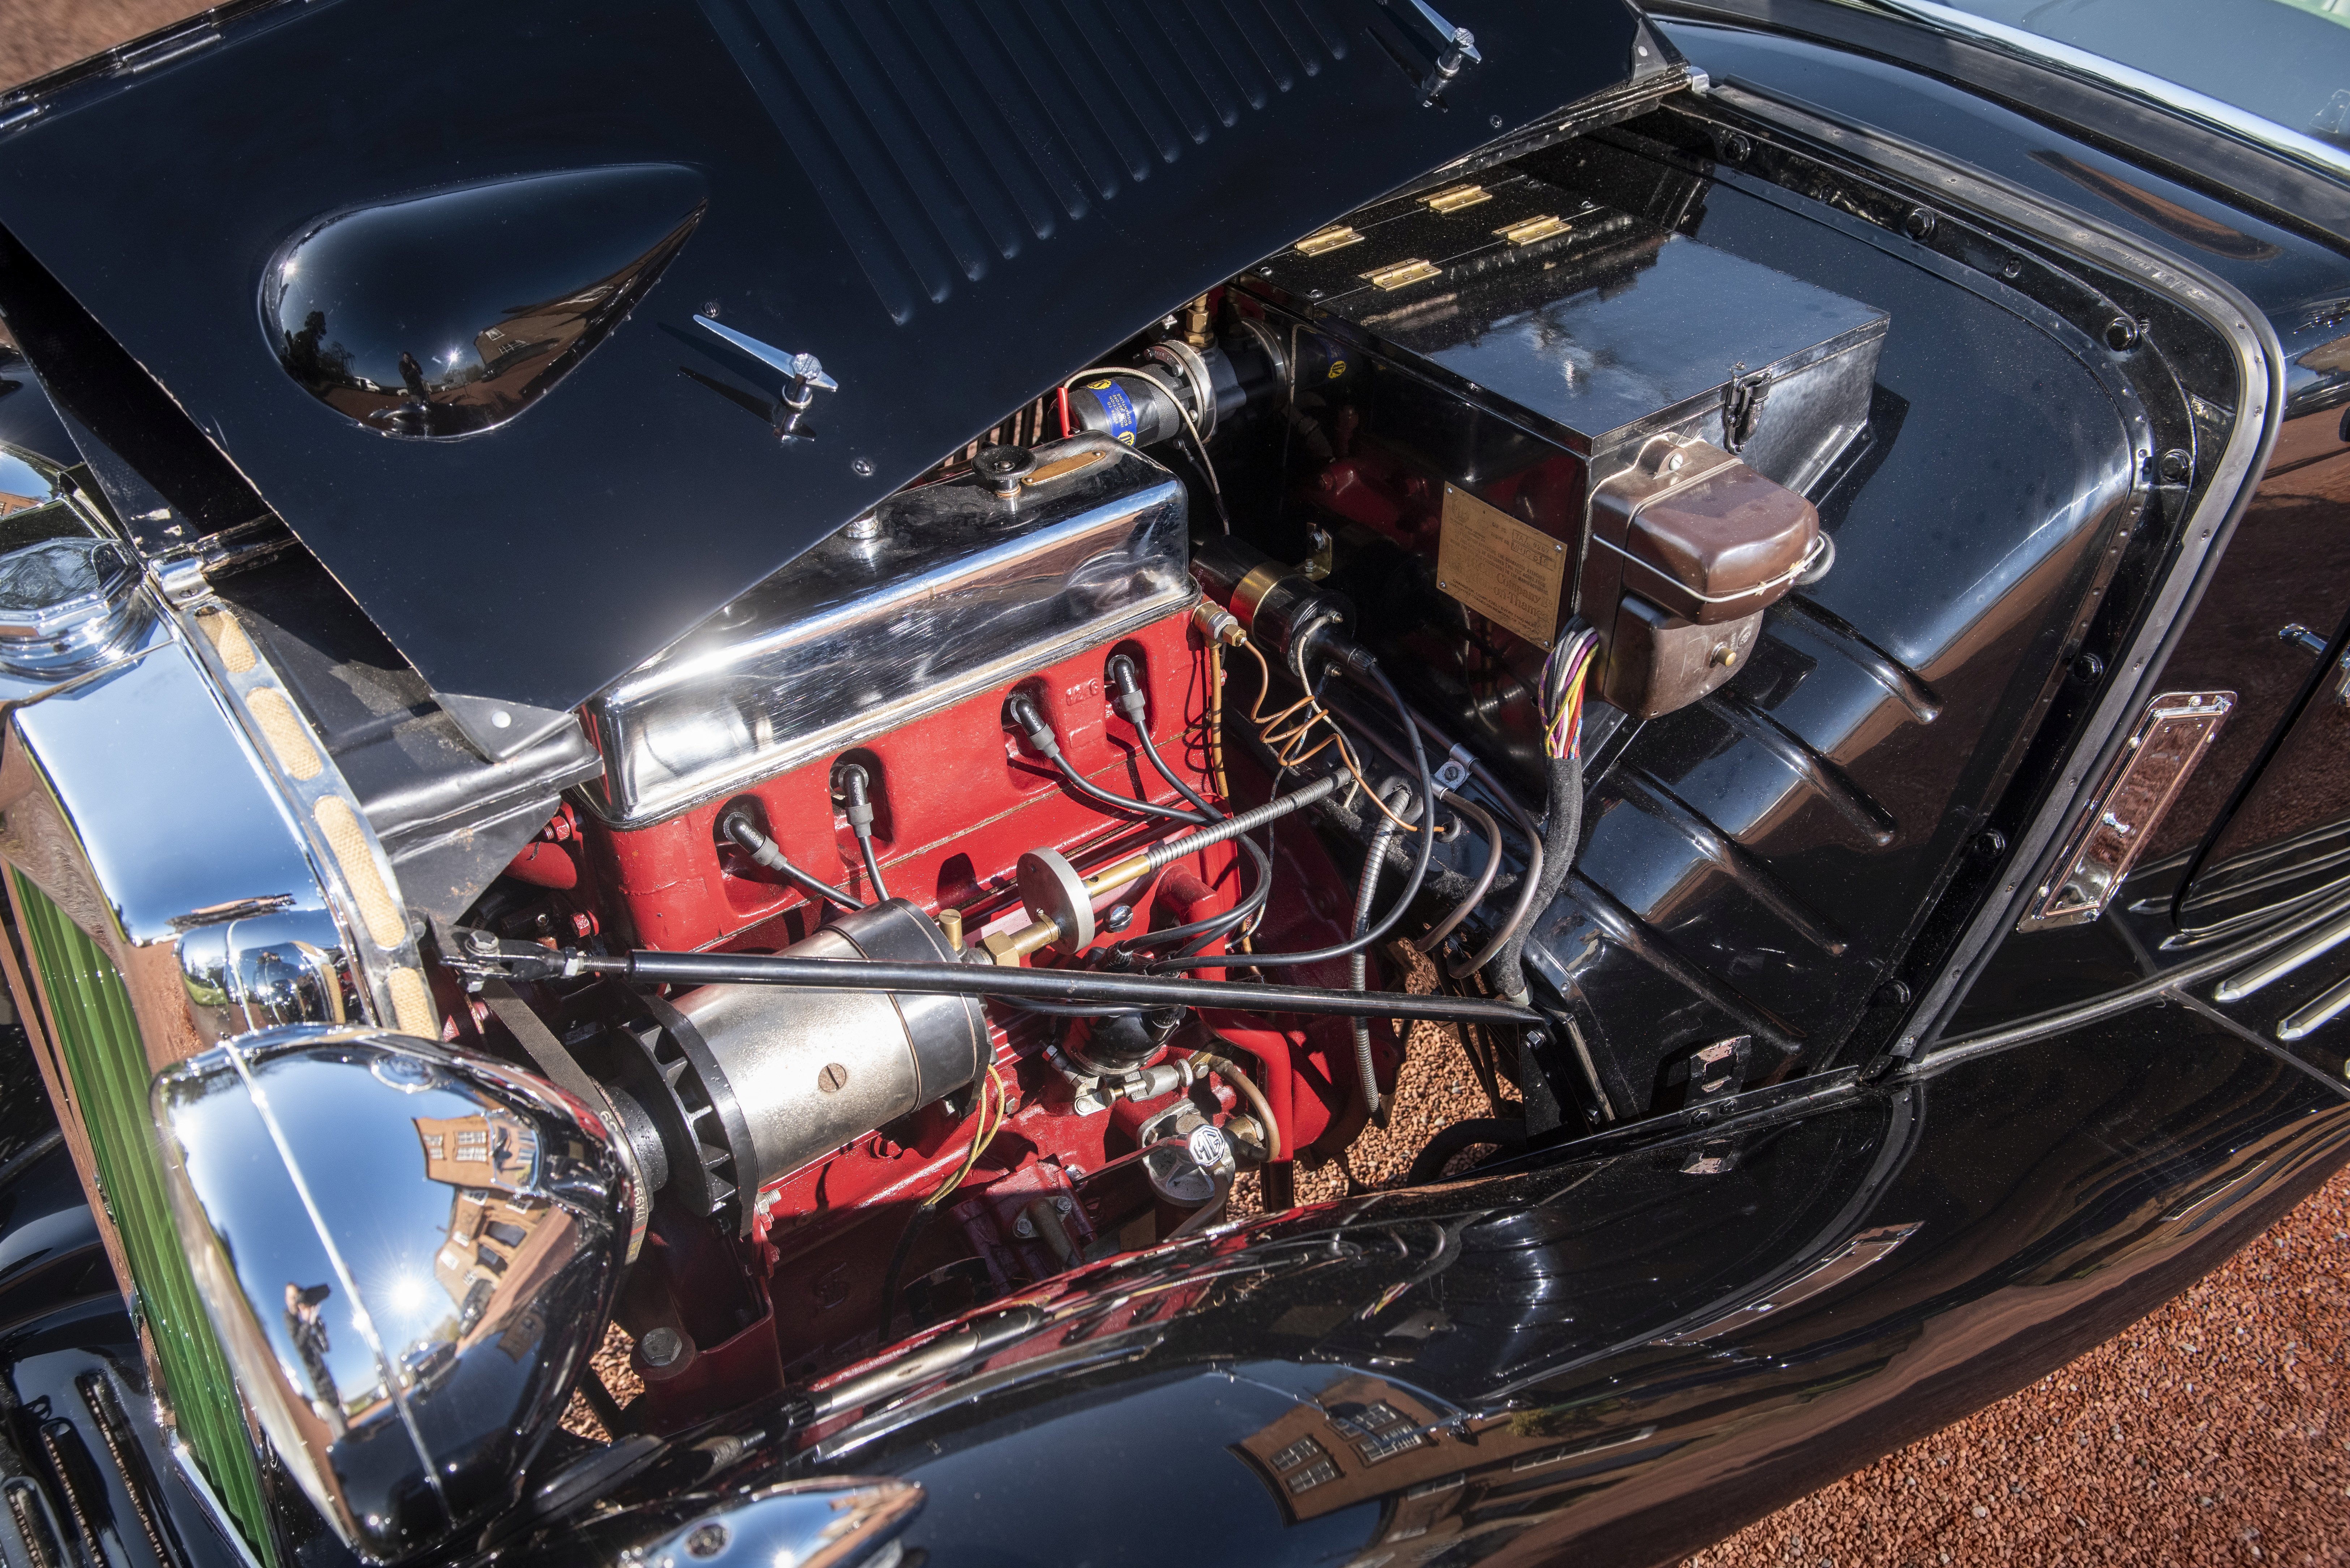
pixel 982 1134
pixel 1562 677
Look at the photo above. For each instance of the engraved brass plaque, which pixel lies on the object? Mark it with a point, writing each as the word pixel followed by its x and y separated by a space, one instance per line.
pixel 1507 571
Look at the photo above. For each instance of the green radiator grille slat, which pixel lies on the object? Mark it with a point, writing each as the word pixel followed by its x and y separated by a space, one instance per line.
pixel 100 1038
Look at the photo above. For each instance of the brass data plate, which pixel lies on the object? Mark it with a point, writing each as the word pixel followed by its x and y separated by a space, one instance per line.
pixel 1458 197
pixel 1048 473
pixel 1532 229
pixel 1337 237
pixel 1402 273
pixel 1507 571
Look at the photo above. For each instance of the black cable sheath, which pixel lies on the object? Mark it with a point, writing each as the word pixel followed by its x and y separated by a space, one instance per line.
pixel 1378 677
pixel 872 868
pixel 1040 984
pixel 738 826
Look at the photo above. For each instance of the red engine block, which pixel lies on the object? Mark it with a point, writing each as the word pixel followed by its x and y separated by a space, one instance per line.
pixel 958 798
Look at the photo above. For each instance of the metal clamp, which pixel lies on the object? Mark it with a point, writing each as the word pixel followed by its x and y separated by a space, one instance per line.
pixel 2301 637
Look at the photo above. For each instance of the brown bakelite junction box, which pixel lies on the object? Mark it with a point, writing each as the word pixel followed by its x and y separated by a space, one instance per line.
pixel 1689 546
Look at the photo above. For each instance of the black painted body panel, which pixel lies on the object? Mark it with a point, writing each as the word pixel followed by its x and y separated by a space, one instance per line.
pixel 950 204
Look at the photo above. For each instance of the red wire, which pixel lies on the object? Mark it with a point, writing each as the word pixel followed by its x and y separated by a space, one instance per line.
pixel 1064 413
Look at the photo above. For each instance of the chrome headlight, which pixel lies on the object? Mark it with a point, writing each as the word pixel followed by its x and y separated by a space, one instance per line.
pixel 409 1254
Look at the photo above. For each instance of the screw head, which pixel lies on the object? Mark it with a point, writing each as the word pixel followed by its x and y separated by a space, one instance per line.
pixel 2087 667
pixel 1118 918
pixel 1735 147
pixel 706 1540
pixel 1892 993
pixel 861 466
pixel 662 1346
pixel 832 1077
pixel 2121 334
pixel 1920 223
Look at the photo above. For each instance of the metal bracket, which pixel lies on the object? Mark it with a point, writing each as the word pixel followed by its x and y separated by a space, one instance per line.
pixel 2120 819
pixel 2301 637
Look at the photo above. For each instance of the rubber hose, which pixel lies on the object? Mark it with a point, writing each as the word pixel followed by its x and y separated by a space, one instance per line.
pixel 1358 961
pixel 1561 832
pixel 1430 1162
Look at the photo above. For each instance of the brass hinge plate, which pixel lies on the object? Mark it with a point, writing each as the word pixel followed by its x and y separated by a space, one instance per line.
pixel 1400 274
pixel 1532 229
pixel 1458 197
pixel 1337 237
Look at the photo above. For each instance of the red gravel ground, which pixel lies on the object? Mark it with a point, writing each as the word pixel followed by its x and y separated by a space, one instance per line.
pixel 2217 1430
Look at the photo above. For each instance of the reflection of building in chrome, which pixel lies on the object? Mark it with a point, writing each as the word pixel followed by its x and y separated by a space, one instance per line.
pixel 495 1249
pixel 1443 1478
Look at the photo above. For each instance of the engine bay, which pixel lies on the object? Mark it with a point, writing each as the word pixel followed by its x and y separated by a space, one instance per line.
pixel 1445 621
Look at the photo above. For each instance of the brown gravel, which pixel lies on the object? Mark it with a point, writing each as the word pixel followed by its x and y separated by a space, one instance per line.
pixel 38 36
pixel 2217 1431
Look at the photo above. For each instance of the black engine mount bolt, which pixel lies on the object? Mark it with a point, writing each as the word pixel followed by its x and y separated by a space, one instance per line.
pixel 2175 466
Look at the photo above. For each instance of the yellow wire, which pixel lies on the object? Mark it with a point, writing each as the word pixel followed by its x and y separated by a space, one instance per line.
pixel 1284 746
pixel 981 1138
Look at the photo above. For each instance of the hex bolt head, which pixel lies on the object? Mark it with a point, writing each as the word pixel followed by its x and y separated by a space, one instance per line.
pixel 2121 334
pixel 706 1540
pixel 2175 466
pixel 662 1346
pixel 481 944
pixel 1920 223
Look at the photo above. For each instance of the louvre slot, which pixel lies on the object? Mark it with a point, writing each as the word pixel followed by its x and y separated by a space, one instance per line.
pixel 945 136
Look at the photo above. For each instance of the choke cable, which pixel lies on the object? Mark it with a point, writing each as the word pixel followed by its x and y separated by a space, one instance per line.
pixel 1065 985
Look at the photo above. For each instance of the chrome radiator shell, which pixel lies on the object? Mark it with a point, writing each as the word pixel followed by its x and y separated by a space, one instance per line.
pixel 945 590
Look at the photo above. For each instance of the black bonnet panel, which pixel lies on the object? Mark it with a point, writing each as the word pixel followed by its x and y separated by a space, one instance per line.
pixel 950 202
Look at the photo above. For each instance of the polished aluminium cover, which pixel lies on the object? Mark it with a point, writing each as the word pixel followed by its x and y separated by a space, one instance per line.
pixel 945 589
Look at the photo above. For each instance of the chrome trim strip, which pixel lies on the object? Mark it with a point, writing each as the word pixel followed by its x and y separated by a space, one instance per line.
pixel 1838 1266
pixel 208 1501
pixel 2277 965
pixel 352 865
pixel 2164 94
pixel 1951 1052
pixel 2316 1015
